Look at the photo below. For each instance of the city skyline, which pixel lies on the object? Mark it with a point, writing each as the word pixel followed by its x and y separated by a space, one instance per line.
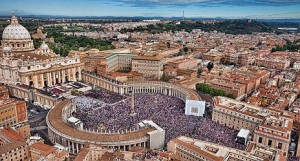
pixel 261 9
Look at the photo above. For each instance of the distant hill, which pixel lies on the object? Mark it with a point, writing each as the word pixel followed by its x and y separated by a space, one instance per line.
pixel 226 26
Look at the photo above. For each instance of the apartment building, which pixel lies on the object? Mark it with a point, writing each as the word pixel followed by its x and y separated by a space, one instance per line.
pixel 280 64
pixel 40 151
pixel 151 67
pixel 185 148
pixel 269 127
pixel 12 146
pixel 237 89
pixel 13 113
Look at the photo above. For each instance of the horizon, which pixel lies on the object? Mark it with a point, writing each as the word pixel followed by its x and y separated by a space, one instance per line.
pixel 230 9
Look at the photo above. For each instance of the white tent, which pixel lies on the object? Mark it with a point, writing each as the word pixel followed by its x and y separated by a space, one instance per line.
pixel 196 108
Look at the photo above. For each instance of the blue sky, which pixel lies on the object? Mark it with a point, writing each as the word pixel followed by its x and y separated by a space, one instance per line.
pixel 165 8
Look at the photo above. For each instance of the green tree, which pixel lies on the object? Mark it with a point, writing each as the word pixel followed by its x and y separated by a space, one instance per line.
pixel 185 49
pixel 165 78
pixel 205 88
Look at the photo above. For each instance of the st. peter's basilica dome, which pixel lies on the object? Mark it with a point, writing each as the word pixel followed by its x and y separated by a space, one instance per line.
pixel 17 37
pixel 15 31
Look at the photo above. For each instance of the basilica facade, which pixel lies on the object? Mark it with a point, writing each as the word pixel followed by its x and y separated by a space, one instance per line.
pixel 21 63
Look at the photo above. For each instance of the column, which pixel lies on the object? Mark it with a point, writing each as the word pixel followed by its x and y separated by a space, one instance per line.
pixel 49 82
pixel 79 75
pixel 77 149
pixel 73 147
pixel 69 146
pixel 74 74
pixel 59 76
pixel 53 78
pixel 26 80
pixel 63 76
pixel 69 74
pixel 42 80
pixel 35 81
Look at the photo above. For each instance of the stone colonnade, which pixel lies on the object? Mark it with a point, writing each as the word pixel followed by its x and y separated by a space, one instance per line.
pixel 75 143
pixel 141 87
pixel 105 83
pixel 157 87
pixel 51 77
pixel 32 95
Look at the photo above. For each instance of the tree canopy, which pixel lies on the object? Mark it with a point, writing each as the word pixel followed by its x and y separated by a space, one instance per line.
pixel 65 43
pixel 205 88
pixel 228 26
pixel 289 46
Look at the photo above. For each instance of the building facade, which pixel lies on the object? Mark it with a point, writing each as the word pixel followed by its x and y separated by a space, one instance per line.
pixel 185 148
pixel 280 64
pixel 151 67
pixel 38 68
pixel 268 127
pixel 13 114
pixel 13 146
pixel 40 151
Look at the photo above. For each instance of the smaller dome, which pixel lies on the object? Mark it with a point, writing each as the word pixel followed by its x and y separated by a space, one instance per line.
pixel 6 49
pixel 44 46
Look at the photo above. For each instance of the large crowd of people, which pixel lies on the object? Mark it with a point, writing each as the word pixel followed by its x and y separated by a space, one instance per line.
pixel 102 110
pixel 105 96
pixel 293 158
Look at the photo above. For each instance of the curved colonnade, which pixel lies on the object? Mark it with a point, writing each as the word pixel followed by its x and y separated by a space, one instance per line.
pixel 63 134
pixel 74 139
pixel 141 87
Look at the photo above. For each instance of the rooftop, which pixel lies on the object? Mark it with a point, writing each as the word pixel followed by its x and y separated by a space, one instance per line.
pixel 55 120
pixel 217 152
pixel 44 149
pixel 12 135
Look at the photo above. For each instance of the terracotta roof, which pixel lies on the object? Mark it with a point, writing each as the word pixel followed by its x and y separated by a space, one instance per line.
pixel 12 135
pixel 54 117
pixel 83 153
pixel 154 58
pixel 198 150
pixel 33 55
pixel 232 109
pixel 43 148
pixel 10 146
pixel 61 154
pixel 165 154
pixel 250 147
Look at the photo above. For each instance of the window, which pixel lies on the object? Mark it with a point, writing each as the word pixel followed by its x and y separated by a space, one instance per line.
pixel 260 140
pixel 270 142
pixel 279 145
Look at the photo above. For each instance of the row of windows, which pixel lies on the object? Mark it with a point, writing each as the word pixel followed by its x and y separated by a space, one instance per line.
pixel 240 115
pixel 260 140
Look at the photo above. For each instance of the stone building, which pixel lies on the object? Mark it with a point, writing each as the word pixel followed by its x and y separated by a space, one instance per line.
pixel 268 127
pixel 13 113
pixel 185 148
pixel 40 151
pixel 13 146
pixel 150 67
pixel 39 68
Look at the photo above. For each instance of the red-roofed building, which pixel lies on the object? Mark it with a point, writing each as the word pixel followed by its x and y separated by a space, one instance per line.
pixel 185 148
pixel 40 150
pixel 12 146
pixel 13 113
